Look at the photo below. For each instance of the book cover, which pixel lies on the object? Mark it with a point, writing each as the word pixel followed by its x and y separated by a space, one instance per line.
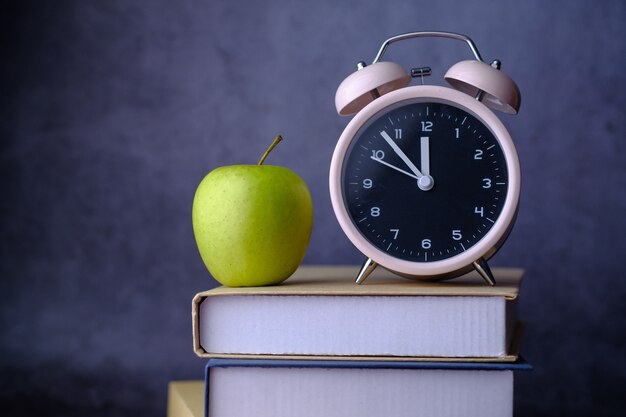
pixel 320 313
pixel 185 399
pixel 365 388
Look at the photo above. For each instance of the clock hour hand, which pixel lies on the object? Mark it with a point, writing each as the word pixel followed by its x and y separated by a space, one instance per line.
pixel 424 182
pixel 425 157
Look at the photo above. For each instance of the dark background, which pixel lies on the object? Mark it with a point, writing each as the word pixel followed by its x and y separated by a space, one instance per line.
pixel 113 111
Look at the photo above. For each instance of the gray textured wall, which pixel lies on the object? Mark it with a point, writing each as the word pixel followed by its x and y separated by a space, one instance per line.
pixel 112 112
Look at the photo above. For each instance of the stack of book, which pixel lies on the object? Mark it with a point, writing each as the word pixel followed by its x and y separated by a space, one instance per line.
pixel 320 345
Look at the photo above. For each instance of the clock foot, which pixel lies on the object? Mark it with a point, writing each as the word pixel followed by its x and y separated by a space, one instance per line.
pixel 483 269
pixel 368 267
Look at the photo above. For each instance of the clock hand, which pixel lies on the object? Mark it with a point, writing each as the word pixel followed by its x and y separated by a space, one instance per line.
pixel 424 182
pixel 401 154
pixel 394 167
pixel 425 158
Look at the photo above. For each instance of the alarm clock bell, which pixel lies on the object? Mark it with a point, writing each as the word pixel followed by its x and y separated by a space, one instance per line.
pixel 473 77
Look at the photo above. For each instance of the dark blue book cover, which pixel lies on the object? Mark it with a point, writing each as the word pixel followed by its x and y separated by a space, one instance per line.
pixel 520 365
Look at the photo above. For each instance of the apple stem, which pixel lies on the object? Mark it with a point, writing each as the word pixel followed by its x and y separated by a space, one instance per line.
pixel 272 146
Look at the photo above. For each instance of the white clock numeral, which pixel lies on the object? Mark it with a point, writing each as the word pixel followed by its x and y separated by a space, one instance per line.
pixel 395 233
pixel 478 154
pixel 486 183
pixel 479 210
pixel 457 133
pixel 375 211
pixel 398 133
pixel 378 154
pixel 456 235
pixel 367 183
pixel 426 244
pixel 427 126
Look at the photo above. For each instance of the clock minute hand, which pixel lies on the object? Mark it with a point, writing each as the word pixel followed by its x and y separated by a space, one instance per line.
pixel 424 182
pixel 401 154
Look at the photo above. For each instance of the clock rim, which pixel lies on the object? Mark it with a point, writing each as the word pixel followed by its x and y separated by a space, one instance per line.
pixel 491 241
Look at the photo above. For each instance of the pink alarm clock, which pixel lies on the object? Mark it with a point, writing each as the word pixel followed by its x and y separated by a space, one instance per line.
pixel 425 180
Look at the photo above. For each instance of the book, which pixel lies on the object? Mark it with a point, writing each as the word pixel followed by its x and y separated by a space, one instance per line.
pixel 277 388
pixel 185 399
pixel 320 313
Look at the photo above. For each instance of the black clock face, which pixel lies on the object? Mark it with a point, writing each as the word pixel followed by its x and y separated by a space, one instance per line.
pixel 424 181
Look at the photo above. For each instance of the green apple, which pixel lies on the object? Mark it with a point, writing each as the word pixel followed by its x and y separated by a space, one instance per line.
pixel 252 223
